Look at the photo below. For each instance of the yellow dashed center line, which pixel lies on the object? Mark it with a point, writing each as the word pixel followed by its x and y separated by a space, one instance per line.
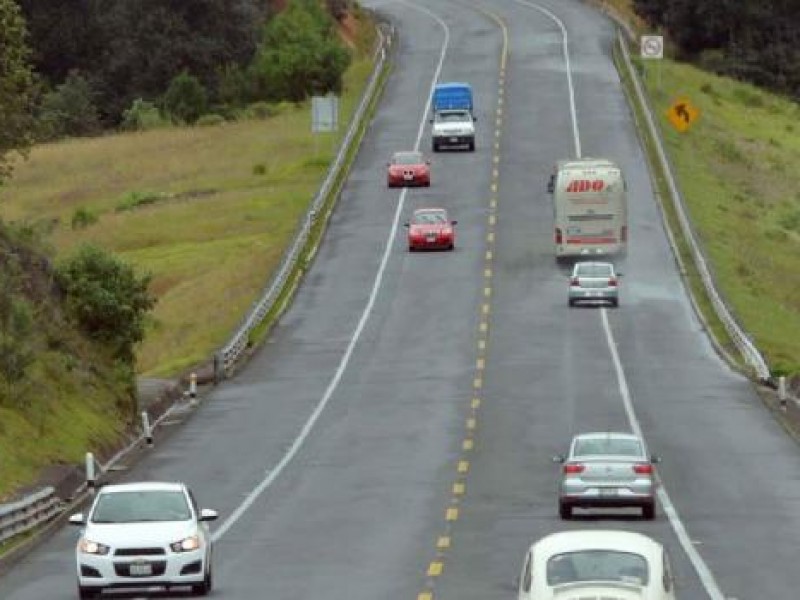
pixel 443 542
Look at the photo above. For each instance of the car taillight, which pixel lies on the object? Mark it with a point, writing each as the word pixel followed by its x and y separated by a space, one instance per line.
pixel 574 281
pixel 612 282
pixel 643 468
pixel 574 468
pixel 623 235
pixel 559 236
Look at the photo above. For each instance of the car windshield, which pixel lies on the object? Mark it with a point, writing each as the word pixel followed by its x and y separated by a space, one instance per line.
pixel 593 270
pixel 606 446
pixel 597 565
pixel 407 158
pixel 452 117
pixel 137 506
pixel 429 218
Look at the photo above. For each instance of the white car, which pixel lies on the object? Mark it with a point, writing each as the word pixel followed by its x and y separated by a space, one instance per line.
pixel 142 535
pixel 596 563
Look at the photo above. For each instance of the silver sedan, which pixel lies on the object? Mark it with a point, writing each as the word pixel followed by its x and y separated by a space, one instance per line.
pixel 593 282
pixel 607 469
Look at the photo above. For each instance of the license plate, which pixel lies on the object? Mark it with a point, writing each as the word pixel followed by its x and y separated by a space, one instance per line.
pixel 431 238
pixel 141 569
pixel 408 176
pixel 608 492
pixel 453 140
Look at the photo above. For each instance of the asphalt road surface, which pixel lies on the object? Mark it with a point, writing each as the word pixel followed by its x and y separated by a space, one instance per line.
pixel 393 439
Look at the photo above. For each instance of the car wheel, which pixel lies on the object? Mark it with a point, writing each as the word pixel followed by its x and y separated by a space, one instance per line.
pixel 84 593
pixel 411 248
pixel 435 147
pixel 649 511
pixel 428 183
pixel 564 511
pixel 451 247
pixel 471 146
pixel 202 589
pixel 571 302
pixel 615 302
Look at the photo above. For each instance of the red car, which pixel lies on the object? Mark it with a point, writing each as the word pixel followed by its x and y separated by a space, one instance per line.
pixel 408 168
pixel 431 229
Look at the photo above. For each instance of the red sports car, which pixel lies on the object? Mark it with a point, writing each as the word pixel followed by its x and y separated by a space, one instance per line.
pixel 431 229
pixel 408 168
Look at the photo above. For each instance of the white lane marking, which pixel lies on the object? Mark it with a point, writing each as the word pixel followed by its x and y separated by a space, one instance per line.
pixel 700 566
pixel 273 474
pixel 703 572
pixel 565 50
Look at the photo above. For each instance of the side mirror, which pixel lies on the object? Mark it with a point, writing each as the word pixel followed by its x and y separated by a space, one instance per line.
pixel 427 162
pixel 206 514
pixel 559 459
pixel 551 184
pixel 76 519
pixel 388 164
pixel 406 224
pixel 474 118
pixel 655 459
pixel 430 120
pixel 454 222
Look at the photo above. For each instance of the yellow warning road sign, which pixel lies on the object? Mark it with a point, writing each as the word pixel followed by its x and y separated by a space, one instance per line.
pixel 682 114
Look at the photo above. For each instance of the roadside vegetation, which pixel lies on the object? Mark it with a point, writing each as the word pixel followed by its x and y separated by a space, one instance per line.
pixel 155 236
pixel 737 168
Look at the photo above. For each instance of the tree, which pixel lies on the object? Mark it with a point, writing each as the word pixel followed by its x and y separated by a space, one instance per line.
pixel 186 100
pixel 107 299
pixel 16 87
pixel 69 110
pixel 16 325
pixel 299 55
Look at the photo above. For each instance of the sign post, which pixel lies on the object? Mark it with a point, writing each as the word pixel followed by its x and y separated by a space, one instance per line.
pixel 652 48
pixel 324 116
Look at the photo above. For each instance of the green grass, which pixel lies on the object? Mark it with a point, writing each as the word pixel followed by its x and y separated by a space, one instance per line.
pixel 207 211
pixel 737 169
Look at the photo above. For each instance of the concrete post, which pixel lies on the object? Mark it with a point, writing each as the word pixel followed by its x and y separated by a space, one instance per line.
pixel 782 395
pixel 193 388
pixel 91 475
pixel 147 429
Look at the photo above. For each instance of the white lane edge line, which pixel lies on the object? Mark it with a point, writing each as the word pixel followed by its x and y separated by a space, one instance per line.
pixel 309 425
pixel 703 572
pixel 565 50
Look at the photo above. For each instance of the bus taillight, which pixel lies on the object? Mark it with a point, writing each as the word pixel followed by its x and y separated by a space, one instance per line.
pixel 559 236
pixel 623 235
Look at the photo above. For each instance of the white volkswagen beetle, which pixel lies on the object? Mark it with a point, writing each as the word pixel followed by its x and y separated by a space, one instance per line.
pixel 608 564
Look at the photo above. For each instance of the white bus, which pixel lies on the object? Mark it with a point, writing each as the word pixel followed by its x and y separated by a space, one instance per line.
pixel 590 208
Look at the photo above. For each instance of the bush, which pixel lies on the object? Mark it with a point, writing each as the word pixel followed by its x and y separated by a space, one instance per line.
pixel 210 120
pixel 83 217
pixel 107 299
pixel 186 99
pixel 142 116
pixel 261 110
pixel 69 110
pixel 133 200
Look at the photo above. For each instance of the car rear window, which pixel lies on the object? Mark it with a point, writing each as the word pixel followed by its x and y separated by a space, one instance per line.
pixel 410 158
pixel 593 271
pixel 602 446
pixel 597 565
pixel 430 218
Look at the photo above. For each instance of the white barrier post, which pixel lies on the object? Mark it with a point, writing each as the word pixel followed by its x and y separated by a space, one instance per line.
pixel 91 476
pixel 193 388
pixel 782 391
pixel 147 429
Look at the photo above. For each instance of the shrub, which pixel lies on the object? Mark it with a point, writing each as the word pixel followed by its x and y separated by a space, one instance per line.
pixel 210 120
pixel 69 110
pixel 260 169
pixel 261 110
pixel 186 99
pixel 142 116
pixel 133 200
pixel 83 217
pixel 107 299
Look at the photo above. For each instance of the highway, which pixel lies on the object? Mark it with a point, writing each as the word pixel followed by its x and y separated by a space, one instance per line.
pixel 393 438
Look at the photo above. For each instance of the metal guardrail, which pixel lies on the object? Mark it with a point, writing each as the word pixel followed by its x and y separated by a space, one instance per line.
pixel 745 345
pixel 225 359
pixel 23 515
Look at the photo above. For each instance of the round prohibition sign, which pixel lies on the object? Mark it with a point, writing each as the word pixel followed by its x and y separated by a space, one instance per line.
pixel 652 46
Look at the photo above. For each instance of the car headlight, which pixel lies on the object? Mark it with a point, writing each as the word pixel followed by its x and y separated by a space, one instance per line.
pixel 186 545
pixel 89 547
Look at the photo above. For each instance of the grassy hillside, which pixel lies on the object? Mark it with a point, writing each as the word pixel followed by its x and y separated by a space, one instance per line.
pixel 206 210
pixel 70 400
pixel 738 170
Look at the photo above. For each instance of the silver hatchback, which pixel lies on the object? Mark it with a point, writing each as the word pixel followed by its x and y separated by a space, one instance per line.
pixel 594 282
pixel 607 469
